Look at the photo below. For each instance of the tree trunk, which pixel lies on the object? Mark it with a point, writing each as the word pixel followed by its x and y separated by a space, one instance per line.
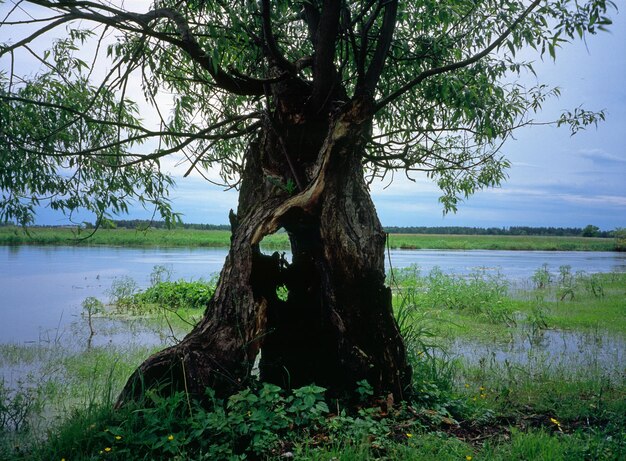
pixel 324 318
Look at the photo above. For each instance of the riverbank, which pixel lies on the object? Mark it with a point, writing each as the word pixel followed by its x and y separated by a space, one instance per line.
pixel 501 371
pixel 220 239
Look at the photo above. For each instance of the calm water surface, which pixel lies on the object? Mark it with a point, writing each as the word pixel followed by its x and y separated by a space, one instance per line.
pixel 42 288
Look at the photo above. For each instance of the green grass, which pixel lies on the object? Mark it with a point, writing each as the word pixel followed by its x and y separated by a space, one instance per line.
pixel 504 242
pixel 461 408
pixel 214 238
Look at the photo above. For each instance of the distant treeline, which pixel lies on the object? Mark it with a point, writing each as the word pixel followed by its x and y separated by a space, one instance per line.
pixel 590 231
pixel 142 224
pixel 515 230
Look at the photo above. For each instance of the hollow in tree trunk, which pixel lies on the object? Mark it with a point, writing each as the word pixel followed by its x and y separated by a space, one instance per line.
pixel 326 317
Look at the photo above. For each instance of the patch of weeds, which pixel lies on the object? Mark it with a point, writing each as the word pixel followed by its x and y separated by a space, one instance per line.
pixel 567 283
pixel 17 407
pixel 542 278
pixel 543 444
pixel 249 423
pixel 433 371
pixel 594 285
pixel 479 293
pixel 536 321
pixel 121 293
pixel 407 277
pixel 126 298
pixel 160 273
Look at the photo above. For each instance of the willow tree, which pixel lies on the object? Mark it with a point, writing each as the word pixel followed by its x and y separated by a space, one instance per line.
pixel 300 104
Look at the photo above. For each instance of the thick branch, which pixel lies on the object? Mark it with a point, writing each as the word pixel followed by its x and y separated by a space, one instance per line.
pixel 270 40
pixel 312 19
pixel 324 71
pixel 382 48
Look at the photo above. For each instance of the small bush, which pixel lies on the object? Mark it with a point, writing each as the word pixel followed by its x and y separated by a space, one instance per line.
pixel 542 278
pixel 176 295
pixel 122 291
pixel 17 406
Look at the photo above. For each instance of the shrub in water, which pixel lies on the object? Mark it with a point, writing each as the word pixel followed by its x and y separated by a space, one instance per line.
pixel 176 295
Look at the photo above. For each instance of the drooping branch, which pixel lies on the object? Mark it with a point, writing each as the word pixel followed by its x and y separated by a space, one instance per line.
pixel 456 65
pixel 140 23
pixel 226 128
pixel 39 32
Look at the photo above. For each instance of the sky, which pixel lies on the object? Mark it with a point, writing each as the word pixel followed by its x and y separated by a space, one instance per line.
pixel 555 180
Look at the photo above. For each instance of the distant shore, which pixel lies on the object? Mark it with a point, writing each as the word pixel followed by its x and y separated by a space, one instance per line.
pixel 280 241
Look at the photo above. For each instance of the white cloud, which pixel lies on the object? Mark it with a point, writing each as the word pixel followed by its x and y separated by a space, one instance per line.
pixel 606 200
pixel 600 155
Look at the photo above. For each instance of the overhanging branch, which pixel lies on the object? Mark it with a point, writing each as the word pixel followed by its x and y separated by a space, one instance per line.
pixel 140 23
pixel 456 65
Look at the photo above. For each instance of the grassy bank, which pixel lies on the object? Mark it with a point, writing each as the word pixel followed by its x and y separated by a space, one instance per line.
pixel 215 238
pixel 465 404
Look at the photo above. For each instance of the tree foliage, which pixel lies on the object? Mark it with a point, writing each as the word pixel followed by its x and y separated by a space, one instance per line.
pixel 119 90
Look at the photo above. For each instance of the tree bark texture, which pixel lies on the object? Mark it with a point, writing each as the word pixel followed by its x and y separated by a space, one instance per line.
pixel 326 316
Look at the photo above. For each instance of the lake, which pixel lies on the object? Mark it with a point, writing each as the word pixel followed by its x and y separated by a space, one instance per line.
pixel 42 287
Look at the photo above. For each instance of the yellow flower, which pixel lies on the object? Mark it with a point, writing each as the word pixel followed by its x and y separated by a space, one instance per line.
pixel 118 437
pixel 555 421
pixel 62 459
pixel 467 386
pixel 107 449
pixel 170 437
pixel 482 388
pixel 468 457
pixel 409 435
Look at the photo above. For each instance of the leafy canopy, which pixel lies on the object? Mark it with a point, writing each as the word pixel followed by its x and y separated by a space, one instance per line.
pixel 120 89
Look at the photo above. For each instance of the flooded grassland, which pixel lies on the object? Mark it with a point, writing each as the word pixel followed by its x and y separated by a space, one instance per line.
pixel 549 344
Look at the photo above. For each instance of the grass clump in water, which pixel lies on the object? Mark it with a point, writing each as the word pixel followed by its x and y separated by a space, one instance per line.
pixel 479 293
pixel 163 294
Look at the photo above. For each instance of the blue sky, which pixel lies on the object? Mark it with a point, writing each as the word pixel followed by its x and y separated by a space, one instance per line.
pixel 555 179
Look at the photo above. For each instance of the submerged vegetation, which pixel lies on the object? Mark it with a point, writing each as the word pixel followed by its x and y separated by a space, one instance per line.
pixel 488 382
pixel 221 239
